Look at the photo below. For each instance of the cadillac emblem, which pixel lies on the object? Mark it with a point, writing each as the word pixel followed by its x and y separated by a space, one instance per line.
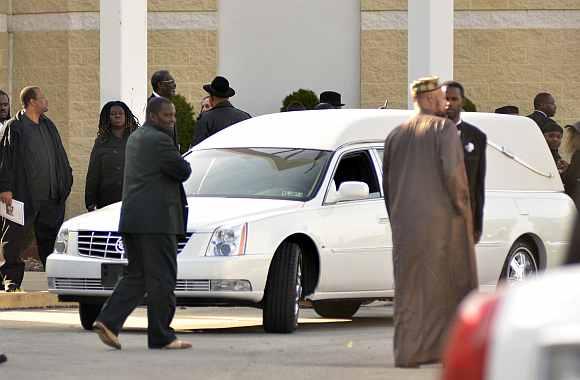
pixel 119 246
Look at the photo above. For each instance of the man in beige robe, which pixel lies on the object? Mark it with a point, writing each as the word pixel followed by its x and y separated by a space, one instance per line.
pixel 427 198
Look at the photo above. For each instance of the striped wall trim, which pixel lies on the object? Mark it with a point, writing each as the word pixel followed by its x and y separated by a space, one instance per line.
pixel 90 21
pixel 397 20
pixel 370 20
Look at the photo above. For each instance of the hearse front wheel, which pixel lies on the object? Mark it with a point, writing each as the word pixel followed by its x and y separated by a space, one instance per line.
pixel 283 290
pixel 89 313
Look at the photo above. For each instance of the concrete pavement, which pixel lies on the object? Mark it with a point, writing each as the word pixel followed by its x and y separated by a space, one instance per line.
pixel 229 343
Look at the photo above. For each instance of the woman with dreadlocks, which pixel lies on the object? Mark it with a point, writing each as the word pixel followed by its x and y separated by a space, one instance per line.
pixel 104 184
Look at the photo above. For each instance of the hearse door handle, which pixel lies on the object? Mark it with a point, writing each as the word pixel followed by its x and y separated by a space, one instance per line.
pixel 383 220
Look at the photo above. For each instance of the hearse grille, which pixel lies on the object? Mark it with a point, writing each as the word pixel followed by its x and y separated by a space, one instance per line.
pixel 62 283
pixel 109 245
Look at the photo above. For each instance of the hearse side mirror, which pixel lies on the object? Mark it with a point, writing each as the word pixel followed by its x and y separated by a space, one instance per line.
pixel 349 191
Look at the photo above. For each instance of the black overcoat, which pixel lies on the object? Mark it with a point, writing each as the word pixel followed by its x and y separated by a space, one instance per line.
pixel 540 118
pixel 214 120
pixel 154 200
pixel 474 143
pixel 104 184
pixel 13 164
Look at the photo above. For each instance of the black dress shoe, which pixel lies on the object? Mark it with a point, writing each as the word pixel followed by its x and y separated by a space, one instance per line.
pixel 3 358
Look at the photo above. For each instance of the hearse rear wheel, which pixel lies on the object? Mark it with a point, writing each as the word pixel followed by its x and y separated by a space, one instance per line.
pixel 283 290
pixel 520 263
pixel 336 309
pixel 89 313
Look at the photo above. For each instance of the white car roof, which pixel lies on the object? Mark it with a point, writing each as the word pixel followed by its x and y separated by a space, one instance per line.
pixel 508 137
pixel 322 130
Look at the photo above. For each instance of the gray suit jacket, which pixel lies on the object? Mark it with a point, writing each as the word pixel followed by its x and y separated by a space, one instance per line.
pixel 153 196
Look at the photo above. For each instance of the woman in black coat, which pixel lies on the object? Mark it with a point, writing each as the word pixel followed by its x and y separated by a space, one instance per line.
pixel 571 177
pixel 104 184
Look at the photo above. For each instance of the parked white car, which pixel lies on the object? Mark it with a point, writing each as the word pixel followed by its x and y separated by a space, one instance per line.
pixel 289 206
pixel 530 331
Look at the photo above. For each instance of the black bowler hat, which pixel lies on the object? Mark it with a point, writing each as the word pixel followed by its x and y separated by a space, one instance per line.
pixel 219 87
pixel 508 110
pixel 331 97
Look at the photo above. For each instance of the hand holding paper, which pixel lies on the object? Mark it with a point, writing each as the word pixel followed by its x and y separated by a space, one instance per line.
pixel 13 211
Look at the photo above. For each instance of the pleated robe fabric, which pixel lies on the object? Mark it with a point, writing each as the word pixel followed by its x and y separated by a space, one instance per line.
pixel 427 198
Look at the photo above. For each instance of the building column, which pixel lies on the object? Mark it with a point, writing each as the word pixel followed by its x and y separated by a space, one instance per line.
pixel 430 39
pixel 123 52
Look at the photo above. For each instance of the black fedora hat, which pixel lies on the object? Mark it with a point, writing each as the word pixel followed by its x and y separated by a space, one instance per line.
pixel 219 87
pixel 508 110
pixel 331 97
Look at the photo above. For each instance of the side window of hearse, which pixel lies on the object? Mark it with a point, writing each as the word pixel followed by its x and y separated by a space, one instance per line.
pixel 358 166
pixel 381 154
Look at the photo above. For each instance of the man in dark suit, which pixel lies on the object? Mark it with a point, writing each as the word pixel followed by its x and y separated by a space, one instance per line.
pixel 474 144
pixel 544 108
pixel 34 169
pixel 153 214
pixel 164 86
pixel 222 113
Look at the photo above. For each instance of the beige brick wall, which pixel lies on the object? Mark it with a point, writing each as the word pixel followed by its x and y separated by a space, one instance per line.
pixel 58 6
pixel 511 66
pixel 497 67
pixel 384 5
pixel 53 6
pixel 84 107
pixel 182 5
pixel 4 58
pixel 384 68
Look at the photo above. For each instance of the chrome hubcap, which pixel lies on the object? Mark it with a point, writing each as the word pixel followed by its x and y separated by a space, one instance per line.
pixel 298 288
pixel 521 266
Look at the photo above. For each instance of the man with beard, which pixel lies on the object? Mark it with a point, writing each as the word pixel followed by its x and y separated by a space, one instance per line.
pixel 35 170
pixel 4 111
pixel 474 144
pixel 427 198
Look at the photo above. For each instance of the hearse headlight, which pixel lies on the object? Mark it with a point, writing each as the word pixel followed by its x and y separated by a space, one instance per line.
pixel 61 243
pixel 228 241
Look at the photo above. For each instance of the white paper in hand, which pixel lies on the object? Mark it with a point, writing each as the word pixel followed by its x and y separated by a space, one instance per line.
pixel 14 213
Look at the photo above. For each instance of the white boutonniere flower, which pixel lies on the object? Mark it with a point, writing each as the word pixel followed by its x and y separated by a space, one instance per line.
pixel 469 147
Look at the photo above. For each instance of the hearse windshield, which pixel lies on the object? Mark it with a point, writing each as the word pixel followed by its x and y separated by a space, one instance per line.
pixel 272 173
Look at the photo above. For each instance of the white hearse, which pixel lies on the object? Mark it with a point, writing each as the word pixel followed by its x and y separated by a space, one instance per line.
pixel 289 206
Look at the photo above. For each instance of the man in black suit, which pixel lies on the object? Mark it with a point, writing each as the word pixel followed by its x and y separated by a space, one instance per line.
pixel 153 214
pixel 474 144
pixel 164 86
pixel 544 108
pixel 222 113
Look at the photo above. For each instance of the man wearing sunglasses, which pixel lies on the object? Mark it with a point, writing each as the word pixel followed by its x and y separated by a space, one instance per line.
pixel 163 85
